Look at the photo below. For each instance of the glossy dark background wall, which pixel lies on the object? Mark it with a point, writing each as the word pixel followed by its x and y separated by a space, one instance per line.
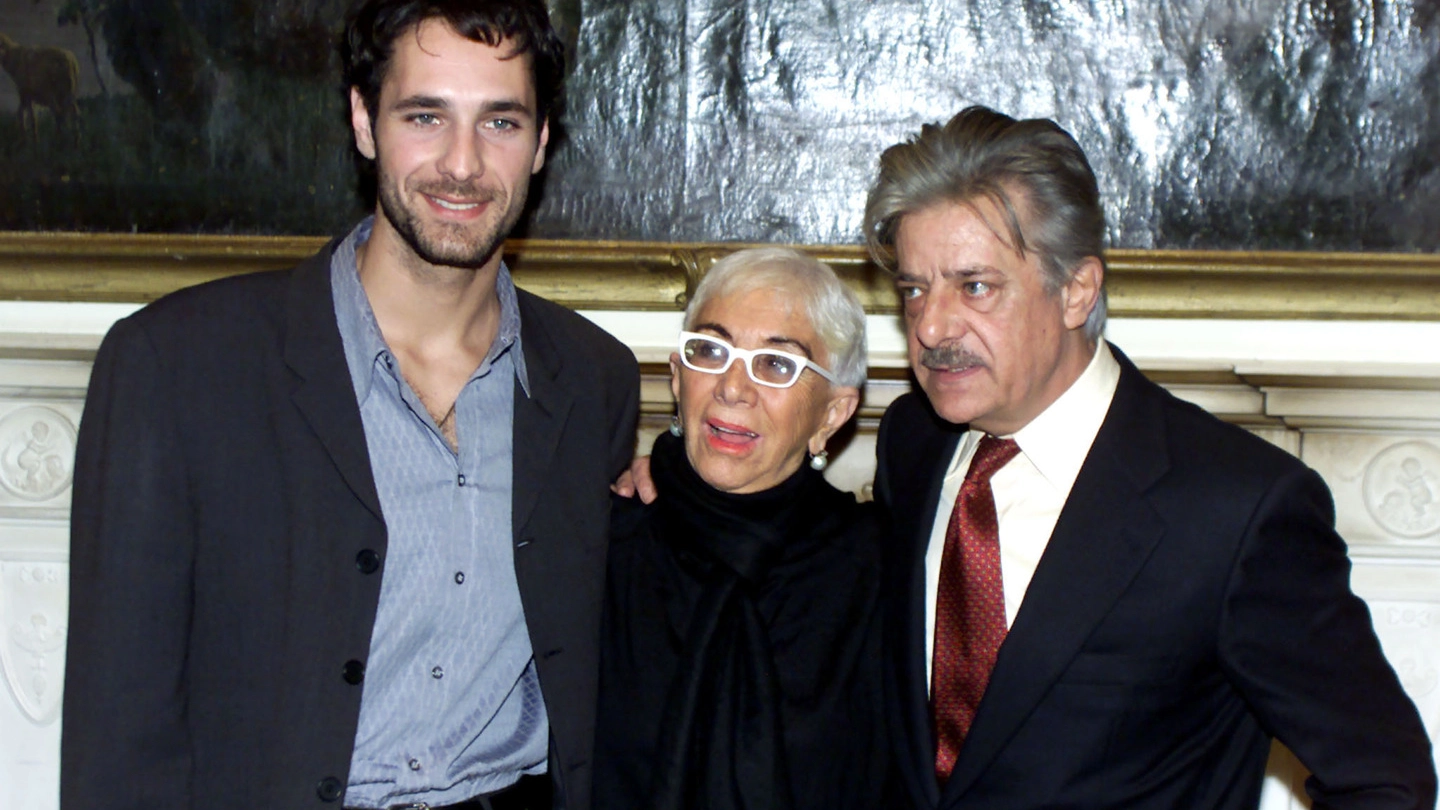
pixel 1297 125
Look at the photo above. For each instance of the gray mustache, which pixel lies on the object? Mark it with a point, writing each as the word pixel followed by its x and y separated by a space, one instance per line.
pixel 949 357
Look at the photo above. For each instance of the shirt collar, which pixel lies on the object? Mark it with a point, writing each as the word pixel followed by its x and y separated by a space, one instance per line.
pixel 507 338
pixel 360 332
pixel 1058 440
pixel 364 345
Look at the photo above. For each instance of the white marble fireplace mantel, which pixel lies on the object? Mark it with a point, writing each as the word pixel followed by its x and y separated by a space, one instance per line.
pixel 1357 400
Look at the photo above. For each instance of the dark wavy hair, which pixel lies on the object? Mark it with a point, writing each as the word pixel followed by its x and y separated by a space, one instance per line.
pixel 372 26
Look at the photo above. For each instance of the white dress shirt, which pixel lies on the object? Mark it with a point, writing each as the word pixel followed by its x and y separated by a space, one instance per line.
pixel 1031 489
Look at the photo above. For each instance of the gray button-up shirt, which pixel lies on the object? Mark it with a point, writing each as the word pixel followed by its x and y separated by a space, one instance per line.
pixel 452 704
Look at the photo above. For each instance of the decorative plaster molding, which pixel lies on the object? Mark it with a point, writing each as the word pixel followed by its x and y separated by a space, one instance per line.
pixel 37 451
pixel 1409 631
pixel 33 600
pixel 648 276
pixel 1386 489
pixel 1358 407
pixel 37 455
pixel 1401 487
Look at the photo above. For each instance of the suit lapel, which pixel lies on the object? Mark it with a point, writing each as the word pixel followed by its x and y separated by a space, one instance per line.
pixel 921 452
pixel 1105 533
pixel 324 393
pixel 539 418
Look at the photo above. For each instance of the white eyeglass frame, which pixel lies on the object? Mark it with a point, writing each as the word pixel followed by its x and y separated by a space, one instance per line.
pixel 801 361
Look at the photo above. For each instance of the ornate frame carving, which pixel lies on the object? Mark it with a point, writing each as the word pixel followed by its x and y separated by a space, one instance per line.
pixel 659 275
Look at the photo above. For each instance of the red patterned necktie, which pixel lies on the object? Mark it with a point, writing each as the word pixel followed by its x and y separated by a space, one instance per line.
pixel 970 605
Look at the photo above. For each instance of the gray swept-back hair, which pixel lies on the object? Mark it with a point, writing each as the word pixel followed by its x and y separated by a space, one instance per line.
pixel 1031 169
pixel 833 309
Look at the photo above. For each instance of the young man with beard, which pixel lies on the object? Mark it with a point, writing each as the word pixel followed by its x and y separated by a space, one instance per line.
pixel 338 532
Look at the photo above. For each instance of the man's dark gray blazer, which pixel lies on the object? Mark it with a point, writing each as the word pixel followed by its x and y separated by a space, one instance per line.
pixel 1192 602
pixel 227 546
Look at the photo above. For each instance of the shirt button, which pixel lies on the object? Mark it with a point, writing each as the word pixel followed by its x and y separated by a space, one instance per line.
pixel 414 764
pixel 354 672
pixel 459 577
pixel 460 480
pixel 437 672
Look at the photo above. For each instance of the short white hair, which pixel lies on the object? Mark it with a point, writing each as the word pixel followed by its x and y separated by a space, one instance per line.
pixel 833 309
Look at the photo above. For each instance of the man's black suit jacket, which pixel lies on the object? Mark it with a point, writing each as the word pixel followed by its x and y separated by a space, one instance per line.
pixel 227 546
pixel 1193 601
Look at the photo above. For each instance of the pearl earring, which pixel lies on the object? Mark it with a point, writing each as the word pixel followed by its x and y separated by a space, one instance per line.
pixel 675 428
pixel 820 460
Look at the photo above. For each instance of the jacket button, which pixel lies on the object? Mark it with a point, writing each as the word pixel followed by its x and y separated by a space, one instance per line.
pixel 367 561
pixel 354 672
pixel 329 789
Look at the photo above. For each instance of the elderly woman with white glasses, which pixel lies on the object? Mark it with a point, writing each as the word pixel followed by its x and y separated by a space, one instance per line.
pixel 740 660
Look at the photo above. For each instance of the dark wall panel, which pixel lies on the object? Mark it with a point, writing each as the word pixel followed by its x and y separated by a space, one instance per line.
pixel 1255 124
pixel 1212 124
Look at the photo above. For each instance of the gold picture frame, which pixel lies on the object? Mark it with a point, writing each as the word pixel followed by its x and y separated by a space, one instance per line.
pixel 657 276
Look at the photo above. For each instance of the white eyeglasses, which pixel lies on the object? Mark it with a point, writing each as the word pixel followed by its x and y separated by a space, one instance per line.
pixel 769 367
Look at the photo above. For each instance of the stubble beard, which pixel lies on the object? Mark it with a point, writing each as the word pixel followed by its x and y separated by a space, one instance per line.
pixel 450 244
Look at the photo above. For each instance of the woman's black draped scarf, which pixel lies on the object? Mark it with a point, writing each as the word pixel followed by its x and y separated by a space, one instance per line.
pixel 739 637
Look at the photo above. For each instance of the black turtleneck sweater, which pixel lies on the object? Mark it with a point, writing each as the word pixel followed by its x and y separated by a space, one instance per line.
pixel 740 656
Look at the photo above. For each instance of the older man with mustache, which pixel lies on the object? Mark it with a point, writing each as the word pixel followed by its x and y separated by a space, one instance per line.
pixel 1099 596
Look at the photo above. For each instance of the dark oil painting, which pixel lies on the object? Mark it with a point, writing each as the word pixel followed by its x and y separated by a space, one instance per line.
pixel 1227 124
